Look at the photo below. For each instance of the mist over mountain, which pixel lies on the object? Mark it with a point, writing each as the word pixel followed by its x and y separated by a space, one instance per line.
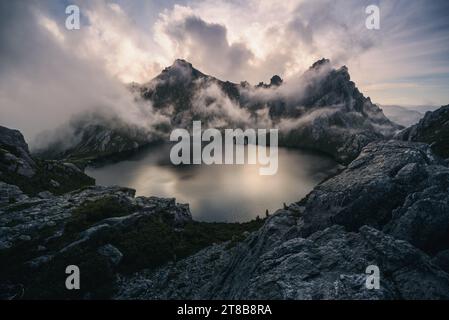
pixel 402 115
pixel 389 207
pixel 322 109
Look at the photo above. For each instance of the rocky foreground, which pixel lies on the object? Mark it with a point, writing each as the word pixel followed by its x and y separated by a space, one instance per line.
pixel 106 231
pixel 389 207
pixel 432 129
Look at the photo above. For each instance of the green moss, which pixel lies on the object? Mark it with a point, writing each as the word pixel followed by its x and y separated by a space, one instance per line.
pixel 48 281
pixel 92 212
pixel 96 275
pixel 150 244
pixel 12 267
pixel 154 242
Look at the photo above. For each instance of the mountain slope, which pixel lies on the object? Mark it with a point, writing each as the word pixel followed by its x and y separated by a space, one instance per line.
pixel 333 115
pixel 19 168
pixel 322 109
pixel 432 129
pixel 93 136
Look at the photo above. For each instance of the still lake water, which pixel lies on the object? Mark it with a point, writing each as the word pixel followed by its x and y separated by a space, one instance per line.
pixel 219 193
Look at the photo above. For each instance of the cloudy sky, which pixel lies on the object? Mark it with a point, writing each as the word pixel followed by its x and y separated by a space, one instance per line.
pixel 46 69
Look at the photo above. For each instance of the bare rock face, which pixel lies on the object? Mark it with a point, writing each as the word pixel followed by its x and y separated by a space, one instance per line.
pixel 432 129
pixel 331 264
pixel 14 153
pixel 10 194
pixel 32 176
pixel 372 186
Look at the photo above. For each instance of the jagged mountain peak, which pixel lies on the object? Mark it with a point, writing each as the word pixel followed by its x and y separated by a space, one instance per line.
pixel 178 64
pixel 182 63
pixel 275 81
pixel 320 63
pixel 324 67
pixel 180 71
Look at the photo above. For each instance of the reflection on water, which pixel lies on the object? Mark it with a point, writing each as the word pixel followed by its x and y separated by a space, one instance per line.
pixel 219 192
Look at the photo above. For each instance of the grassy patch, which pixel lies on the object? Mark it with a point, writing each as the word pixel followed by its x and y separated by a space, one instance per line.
pixel 92 212
pixel 154 242
pixel 96 274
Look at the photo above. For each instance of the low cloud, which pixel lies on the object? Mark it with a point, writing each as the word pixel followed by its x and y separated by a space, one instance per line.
pixel 46 78
pixel 211 103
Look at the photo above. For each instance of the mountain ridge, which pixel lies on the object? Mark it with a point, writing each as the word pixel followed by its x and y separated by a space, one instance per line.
pixel 322 109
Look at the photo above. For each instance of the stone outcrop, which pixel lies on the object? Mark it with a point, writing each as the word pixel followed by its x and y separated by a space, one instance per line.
pixel 92 228
pixel 30 175
pixel 432 129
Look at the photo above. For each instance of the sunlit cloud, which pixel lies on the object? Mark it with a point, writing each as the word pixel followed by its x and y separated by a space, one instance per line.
pixel 405 62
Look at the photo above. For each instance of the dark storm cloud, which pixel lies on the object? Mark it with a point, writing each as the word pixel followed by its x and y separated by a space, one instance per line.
pixel 208 43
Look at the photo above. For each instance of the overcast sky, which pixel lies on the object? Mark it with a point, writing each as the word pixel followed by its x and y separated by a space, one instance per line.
pixel 45 68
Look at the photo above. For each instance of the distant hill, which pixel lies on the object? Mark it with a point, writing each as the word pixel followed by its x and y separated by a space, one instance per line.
pixel 402 115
